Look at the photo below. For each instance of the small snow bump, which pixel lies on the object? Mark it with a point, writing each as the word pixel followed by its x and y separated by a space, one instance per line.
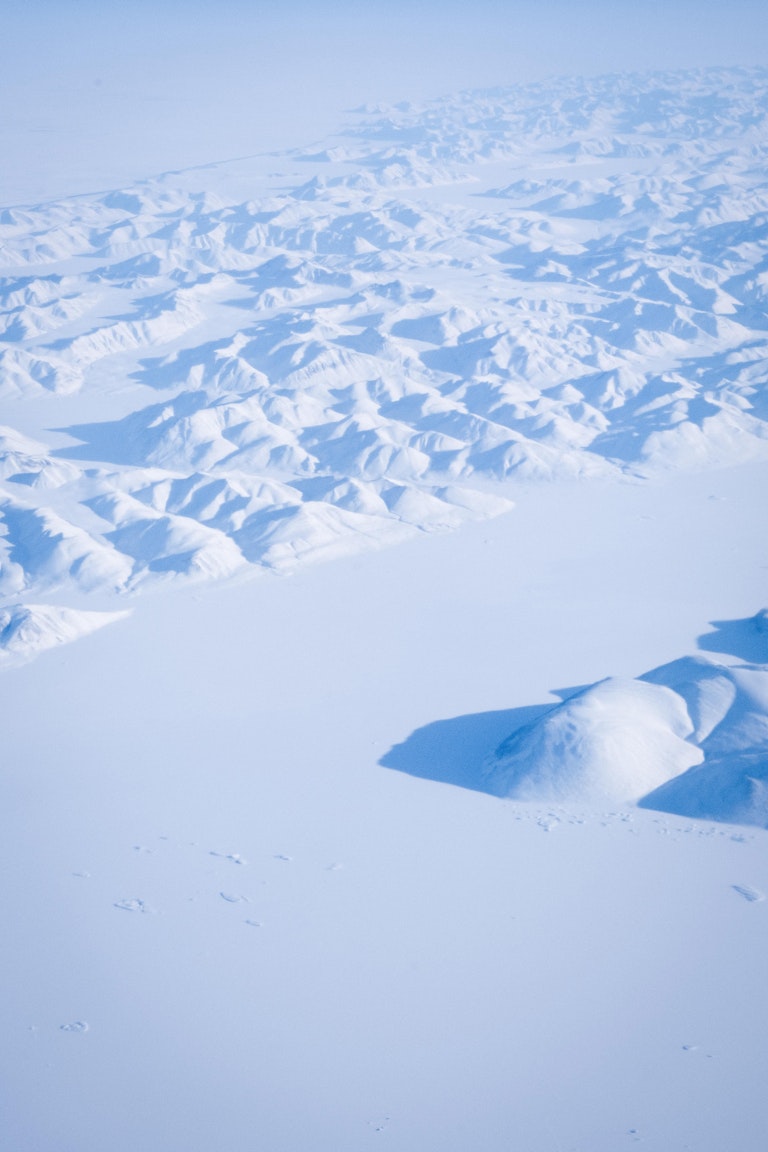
pixel 233 857
pixel 132 905
pixel 75 1026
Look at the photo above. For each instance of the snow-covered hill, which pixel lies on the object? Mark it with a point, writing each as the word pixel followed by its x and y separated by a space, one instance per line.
pixel 690 737
pixel 533 282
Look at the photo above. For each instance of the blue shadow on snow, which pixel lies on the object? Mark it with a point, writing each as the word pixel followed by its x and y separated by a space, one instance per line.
pixel 453 751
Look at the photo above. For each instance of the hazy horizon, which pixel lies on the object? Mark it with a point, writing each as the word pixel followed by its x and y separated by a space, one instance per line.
pixel 93 102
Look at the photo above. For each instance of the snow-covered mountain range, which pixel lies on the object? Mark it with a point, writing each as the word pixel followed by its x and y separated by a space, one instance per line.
pixel 386 332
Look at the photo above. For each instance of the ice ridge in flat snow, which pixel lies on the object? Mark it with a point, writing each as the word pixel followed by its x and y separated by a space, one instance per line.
pixel 378 338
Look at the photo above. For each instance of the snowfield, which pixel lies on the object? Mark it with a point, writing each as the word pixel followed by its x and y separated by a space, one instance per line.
pixel 409 847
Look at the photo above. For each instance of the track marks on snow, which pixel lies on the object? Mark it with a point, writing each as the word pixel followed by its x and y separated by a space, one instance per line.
pixel 186 879
pixel 133 904
pixel 748 893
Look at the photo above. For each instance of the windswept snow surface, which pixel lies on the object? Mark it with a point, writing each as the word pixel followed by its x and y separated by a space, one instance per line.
pixel 231 923
pixel 273 941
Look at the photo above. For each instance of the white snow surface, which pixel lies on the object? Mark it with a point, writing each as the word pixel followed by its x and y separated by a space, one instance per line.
pixel 407 847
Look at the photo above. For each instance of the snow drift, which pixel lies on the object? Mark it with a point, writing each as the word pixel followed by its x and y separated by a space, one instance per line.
pixel 690 737
pixel 612 743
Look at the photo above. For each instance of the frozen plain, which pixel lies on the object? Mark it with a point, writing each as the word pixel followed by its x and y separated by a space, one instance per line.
pixel 274 937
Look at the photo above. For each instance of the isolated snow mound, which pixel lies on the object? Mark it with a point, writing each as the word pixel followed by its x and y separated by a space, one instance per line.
pixel 690 737
pixel 612 743
pixel 28 629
